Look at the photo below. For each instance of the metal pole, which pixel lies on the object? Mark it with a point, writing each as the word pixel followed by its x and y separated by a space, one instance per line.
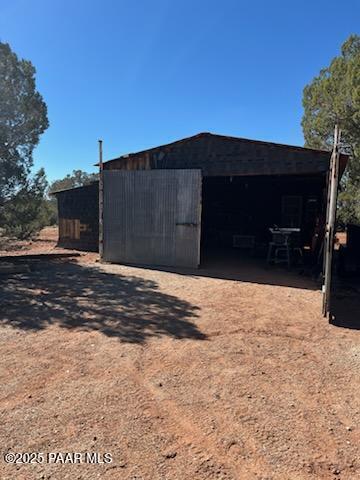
pixel 330 223
pixel 101 202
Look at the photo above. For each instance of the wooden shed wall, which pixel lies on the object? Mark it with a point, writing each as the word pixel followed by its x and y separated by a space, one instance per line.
pixel 78 211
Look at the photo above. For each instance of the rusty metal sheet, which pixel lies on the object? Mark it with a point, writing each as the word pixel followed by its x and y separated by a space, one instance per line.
pixel 152 217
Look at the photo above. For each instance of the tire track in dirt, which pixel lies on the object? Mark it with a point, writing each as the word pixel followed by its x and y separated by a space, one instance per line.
pixel 262 333
pixel 211 459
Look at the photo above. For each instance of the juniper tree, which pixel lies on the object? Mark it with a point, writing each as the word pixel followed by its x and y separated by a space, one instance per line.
pixel 334 97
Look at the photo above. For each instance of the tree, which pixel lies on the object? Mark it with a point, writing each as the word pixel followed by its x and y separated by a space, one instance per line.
pixel 334 97
pixel 23 118
pixel 78 178
pixel 349 204
pixel 28 207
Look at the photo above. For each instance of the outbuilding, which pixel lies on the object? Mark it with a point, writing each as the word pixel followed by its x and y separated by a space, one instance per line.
pixel 207 195
pixel 78 217
pixel 175 204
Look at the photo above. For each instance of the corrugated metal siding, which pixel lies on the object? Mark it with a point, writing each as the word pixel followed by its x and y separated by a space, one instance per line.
pixel 152 217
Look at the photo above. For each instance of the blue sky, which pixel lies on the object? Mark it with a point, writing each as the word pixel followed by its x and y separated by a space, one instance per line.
pixel 141 73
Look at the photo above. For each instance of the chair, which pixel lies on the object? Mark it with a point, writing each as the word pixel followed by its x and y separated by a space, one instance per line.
pixel 279 244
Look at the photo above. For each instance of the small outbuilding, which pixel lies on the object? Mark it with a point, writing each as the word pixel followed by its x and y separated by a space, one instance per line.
pixel 78 217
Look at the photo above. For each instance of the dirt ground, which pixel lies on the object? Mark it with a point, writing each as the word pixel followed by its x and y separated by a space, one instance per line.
pixel 45 242
pixel 177 375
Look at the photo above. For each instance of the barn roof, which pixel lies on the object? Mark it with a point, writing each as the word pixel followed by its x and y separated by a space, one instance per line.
pixel 225 155
pixel 224 137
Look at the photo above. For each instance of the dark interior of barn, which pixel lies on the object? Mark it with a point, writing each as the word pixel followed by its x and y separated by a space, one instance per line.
pixel 238 211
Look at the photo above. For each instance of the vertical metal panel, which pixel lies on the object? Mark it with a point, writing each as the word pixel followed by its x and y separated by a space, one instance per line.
pixel 152 217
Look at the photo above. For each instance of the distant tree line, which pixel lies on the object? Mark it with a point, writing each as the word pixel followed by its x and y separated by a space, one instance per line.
pixel 78 178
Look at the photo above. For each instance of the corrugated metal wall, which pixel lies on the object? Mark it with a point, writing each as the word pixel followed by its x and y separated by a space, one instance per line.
pixel 152 217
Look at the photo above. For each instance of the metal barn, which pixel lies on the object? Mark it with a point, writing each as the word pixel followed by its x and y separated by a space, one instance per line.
pixel 174 204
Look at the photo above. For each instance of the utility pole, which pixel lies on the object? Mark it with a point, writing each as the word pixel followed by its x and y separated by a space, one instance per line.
pixel 101 202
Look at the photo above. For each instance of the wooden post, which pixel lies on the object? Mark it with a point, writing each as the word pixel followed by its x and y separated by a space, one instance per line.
pixel 101 202
pixel 333 184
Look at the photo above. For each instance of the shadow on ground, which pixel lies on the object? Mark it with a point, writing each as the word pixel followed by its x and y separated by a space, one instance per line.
pixel 235 265
pixel 345 309
pixel 78 297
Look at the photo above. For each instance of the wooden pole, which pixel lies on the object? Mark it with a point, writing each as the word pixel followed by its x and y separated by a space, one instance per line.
pixel 333 185
pixel 101 202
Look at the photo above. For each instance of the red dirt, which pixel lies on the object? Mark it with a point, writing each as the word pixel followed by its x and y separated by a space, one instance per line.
pixel 177 376
pixel 44 243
